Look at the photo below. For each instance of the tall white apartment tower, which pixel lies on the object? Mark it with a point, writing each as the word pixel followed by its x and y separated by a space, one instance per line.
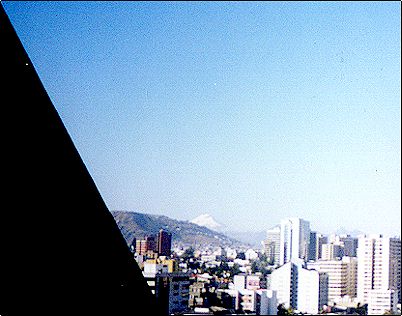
pixel 272 245
pixel 295 240
pixel 379 266
pixel 299 288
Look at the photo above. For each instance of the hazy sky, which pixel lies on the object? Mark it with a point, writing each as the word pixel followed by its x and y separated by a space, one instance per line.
pixel 250 112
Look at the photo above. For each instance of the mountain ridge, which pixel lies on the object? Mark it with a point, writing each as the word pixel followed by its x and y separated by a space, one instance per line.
pixel 184 233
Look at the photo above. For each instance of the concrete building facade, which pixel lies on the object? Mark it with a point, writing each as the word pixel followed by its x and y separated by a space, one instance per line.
pixel 266 302
pixel 379 267
pixel 341 276
pixel 299 288
pixel 381 301
pixel 272 245
pixel 331 251
pixel 171 290
pixel 295 239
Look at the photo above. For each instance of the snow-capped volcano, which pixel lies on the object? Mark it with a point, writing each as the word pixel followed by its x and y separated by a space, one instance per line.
pixel 207 221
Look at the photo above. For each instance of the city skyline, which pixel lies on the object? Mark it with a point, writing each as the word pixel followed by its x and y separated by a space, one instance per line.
pixel 248 112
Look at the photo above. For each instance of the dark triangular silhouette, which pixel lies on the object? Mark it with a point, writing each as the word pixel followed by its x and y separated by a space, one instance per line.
pixel 61 251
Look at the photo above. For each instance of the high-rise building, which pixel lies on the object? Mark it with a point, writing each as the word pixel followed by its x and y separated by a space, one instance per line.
pixel 323 290
pixel 299 288
pixel 321 240
pixel 312 249
pixel 164 243
pixel 349 245
pixel 341 276
pixel 284 281
pixel 395 266
pixel 295 239
pixel 351 268
pixel 379 267
pixel 312 291
pixel 331 251
pixel 146 245
pixel 272 245
pixel 140 246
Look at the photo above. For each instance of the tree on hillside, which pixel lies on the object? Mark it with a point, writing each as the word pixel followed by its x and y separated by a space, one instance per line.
pixel 188 253
pixel 235 270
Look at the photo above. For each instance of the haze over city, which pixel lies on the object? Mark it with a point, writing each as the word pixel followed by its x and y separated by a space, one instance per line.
pixel 250 112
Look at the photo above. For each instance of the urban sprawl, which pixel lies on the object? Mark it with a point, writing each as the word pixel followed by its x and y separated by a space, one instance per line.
pixel 296 271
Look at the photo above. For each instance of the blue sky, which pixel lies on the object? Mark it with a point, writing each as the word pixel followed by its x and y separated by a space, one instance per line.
pixel 248 111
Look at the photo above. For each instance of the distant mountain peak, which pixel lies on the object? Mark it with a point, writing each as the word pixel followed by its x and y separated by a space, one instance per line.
pixel 207 221
pixel 344 231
